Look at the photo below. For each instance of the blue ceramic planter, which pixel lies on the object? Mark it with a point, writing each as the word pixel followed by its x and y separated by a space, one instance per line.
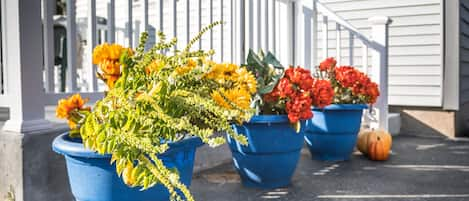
pixel 92 178
pixel 270 159
pixel 331 134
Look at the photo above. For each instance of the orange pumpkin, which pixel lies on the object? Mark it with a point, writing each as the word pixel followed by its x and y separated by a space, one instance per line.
pixel 366 137
pixel 378 150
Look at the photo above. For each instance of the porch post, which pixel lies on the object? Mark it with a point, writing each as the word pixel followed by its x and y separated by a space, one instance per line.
pixel 23 61
pixel 380 35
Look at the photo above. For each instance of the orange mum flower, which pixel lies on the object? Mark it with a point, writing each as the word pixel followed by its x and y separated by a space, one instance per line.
pixel 327 64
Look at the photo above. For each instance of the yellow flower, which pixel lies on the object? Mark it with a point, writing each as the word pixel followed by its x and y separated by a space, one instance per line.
pixel 227 98
pixel 154 66
pixel 244 79
pixel 222 72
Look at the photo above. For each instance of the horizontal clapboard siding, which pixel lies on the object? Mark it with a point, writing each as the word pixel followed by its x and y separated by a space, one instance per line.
pixel 464 51
pixel 415 69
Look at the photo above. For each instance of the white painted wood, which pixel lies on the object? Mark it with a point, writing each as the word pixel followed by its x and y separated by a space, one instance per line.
pixel 222 54
pixel 54 98
pixel 350 49
pixel 130 23
pixel 145 15
pixel 414 39
pixel 111 21
pixel 240 26
pixel 250 27
pixel 200 21
pixel 338 47
pixel 314 35
pixel 91 43
pixel 23 62
pixel 48 11
pixel 364 58
pixel 71 47
pixel 325 37
pixel 380 70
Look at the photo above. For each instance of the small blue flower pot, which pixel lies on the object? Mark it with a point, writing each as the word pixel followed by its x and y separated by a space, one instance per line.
pixel 93 178
pixel 270 159
pixel 331 134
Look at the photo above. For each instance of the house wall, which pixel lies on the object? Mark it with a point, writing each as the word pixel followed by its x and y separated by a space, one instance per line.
pixel 464 51
pixel 463 113
pixel 415 47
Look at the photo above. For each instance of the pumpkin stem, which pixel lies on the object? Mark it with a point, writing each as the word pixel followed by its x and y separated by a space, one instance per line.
pixel 379 138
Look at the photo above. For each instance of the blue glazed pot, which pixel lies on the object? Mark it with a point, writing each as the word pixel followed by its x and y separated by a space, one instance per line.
pixel 92 178
pixel 331 134
pixel 270 159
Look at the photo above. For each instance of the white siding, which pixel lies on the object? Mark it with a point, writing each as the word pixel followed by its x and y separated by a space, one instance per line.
pixel 464 51
pixel 415 58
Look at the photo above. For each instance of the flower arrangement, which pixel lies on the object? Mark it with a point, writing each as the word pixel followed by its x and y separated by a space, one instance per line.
pixel 157 98
pixel 292 91
pixel 350 86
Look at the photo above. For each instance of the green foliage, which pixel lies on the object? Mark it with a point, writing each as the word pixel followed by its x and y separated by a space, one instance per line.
pixel 268 72
pixel 137 118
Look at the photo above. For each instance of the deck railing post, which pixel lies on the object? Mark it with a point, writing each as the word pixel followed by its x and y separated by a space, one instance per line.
pixel 23 62
pixel 380 33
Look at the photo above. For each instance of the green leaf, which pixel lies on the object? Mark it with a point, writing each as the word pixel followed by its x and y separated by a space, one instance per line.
pixel 271 59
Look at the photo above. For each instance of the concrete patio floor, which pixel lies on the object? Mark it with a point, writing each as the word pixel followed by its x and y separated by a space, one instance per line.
pixel 420 168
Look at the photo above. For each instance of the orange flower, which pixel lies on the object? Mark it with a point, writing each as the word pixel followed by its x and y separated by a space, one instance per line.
pixel 66 106
pixel 111 80
pixel 110 67
pixel 322 94
pixel 327 64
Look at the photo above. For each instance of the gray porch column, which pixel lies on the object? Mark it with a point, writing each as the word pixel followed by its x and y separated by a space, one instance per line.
pixel 27 163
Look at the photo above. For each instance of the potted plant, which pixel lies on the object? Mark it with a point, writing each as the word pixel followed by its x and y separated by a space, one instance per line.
pixel 331 135
pixel 158 109
pixel 283 102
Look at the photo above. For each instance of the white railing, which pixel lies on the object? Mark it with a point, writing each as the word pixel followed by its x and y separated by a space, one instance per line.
pixel 288 28
pixel 312 15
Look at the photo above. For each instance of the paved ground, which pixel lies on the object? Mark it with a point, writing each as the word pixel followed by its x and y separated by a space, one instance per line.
pixel 419 169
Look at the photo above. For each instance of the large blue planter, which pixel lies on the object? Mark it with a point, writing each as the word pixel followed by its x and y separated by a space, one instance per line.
pixel 331 134
pixel 270 159
pixel 92 178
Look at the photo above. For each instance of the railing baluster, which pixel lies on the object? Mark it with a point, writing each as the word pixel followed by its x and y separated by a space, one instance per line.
pixel 160 11
pixel 325 37
pixel 145 15
pixel 266 30
pixel 338 44
pixel 48 8
pixel 365 58
pixel 232 30
pixel 188 24
pixel 274 28
pixel 250 24
pixel 111 24
pixel 240 31
pixel 259 25
pixel 91 43
pixel 351 47
pixel 221 32
pixel 211 21
pixel 174 18
pixel 314 36
pixel 200 21
pixel 71 47
pixel 130 23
